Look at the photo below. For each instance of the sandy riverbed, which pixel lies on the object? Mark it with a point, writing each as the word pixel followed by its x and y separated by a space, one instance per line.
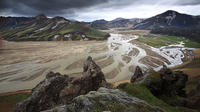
pixel 24 64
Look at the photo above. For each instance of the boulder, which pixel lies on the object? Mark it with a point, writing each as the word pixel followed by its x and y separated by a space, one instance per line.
pixel 106 100
pixel 137 75
pixel 59 89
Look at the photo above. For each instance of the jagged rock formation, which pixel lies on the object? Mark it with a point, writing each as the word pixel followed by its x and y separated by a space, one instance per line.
pixel 45 94
pixel 92 79
pixel 167 82
pixel 173 83
pixel 137 75
pixel 112 100
pixel 59 89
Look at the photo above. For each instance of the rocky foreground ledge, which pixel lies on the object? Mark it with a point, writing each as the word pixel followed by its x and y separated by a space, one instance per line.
pixel 59 89
pixel 105 100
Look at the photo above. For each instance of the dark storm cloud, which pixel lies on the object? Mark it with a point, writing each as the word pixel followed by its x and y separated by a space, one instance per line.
pixel 49 7
pixel 72 8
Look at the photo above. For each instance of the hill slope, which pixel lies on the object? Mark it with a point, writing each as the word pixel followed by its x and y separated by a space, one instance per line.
pixel 116 23
pixel 169 19
pixel 43 28
pixel 172 23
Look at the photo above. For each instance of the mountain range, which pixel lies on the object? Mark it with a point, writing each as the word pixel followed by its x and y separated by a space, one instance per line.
pixel 172 23
pixel 116 23
pixel 43 28
pixel 59 28
pixel 169 18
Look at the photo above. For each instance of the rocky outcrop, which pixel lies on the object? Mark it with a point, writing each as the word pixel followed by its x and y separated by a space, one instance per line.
pixel 173 82
pixel 112 100
pixel 45 94
pixel 92 79
pixel 59 89
pixel 167 82
pixel 194 98
pixel 137 75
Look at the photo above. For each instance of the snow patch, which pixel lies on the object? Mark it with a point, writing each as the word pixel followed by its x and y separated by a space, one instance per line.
pixel 32 25
pixel 85 39
pixel 59 22
pixel 140 24
pixel 170 18
pixel 41 29
pixel 67 35
pixel 56 36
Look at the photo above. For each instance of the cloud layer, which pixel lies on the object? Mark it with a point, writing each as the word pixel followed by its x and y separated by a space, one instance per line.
pixel 95 9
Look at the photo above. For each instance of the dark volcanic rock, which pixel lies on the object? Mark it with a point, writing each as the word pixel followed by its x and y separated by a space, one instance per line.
pixel 166 82
pixel 59 89
pixel 92 79
pixel 194 98
pixel 45 94
pixel 137 75
pixel 173 83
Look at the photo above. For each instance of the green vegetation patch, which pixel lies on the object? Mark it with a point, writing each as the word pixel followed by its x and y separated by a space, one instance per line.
pixel 164 40
pixel 25 33
pixel 79 27
pixel 16 97
pixel 140 91
pixel 111 106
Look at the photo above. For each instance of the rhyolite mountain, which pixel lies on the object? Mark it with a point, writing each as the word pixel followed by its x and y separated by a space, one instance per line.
pixel 169 18
pixel 43 28
pixel 116 23
pixel 172 23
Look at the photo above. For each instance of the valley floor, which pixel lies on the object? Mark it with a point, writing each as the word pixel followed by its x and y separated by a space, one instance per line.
pixel 24 64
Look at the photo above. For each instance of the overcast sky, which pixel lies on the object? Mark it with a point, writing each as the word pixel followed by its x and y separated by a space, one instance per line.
pixel 89 10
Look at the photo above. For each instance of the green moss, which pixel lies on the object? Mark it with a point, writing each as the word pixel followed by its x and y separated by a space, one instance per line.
pixel 111 106
pixel 152 76
pixel 174 100
pixel 140 91
pixel 164 40
pixel 17 97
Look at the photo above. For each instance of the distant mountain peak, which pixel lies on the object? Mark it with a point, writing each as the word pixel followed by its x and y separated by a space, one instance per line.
pixel 118 19
pixel 101 20
pixel 58 18
pixel 170 12
pixel 41 16
pixel 168 19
